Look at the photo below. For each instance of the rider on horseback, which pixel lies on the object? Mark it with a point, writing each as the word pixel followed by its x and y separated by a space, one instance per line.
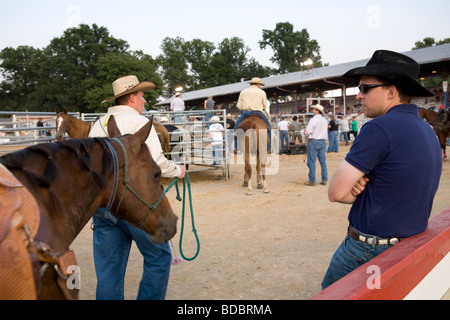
pixel 253 100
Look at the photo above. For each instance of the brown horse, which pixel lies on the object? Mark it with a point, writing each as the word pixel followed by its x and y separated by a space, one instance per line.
pixel 252 137
pixel 77 128
pixel 74 127
pixel 441 126
pixel 69 181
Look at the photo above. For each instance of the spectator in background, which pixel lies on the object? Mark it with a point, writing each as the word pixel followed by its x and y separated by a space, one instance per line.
pixel 177 105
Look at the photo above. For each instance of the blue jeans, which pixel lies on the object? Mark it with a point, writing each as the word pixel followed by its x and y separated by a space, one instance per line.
pixel 284 138
pixel 345 135
pixel 334 143
pixel 350 255
pixel 317 149
pixel 112 243
pixel 217 150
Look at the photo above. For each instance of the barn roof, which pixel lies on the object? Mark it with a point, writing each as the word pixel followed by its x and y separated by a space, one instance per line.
pixel 431 59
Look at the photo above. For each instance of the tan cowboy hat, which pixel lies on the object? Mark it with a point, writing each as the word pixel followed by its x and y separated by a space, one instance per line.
pixel 257 81
pixel 129 84
pixel 317 107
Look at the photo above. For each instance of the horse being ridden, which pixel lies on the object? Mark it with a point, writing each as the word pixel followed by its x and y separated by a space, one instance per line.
pixel 69 181
pixel 252 138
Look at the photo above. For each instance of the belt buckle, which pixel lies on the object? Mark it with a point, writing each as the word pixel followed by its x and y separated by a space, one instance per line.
pixel 393 241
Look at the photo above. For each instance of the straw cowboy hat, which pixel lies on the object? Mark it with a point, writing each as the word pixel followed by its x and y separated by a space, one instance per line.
pixel 257 81
pixel 394 68
pixel 317 107
pixel 127 85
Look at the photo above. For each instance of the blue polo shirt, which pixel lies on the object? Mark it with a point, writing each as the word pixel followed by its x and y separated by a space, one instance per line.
pixel 400 154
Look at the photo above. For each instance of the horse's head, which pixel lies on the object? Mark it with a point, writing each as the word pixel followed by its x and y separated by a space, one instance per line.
pixel 62 122
pixel 144 203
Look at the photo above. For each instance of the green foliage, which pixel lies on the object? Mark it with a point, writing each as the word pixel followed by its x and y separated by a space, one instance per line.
pixel 429 42
pixel 290 47
pixel 75 71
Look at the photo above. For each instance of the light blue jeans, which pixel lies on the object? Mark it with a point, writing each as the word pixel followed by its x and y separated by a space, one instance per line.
pixel 350 255
pixel 284 137
pixel 317 150
pixel 112 243
pixel 333 139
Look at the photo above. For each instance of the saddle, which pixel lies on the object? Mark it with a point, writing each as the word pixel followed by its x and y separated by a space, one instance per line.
pixel 20 255
pixel 19 215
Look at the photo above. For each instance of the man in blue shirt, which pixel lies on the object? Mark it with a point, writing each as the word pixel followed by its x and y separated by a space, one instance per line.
pixel 392 172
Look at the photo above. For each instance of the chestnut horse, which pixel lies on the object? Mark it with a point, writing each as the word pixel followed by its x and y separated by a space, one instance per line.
pixel 74 127
pixel 77 128
pixel 441 125
pixel 252 138
pixel 69 181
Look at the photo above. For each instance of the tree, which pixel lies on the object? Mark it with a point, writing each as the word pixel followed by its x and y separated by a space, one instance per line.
pixel 73 58
pixel 174 64
pixel 21 75
pixel 115 65
pixel 429 42
pixel 290 48
pixel 199 55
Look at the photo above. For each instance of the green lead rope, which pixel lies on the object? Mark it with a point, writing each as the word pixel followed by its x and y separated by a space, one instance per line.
pixel 188 183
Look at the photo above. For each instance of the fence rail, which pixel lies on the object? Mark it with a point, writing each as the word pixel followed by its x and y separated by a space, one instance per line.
pixel 196 148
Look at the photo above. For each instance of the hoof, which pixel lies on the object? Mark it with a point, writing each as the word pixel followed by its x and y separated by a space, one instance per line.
pixel 260 186
pixel 249 193
pixel 245 184
pixel 266 190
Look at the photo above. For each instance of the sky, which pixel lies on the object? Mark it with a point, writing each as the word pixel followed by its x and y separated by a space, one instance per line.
pixel 345 30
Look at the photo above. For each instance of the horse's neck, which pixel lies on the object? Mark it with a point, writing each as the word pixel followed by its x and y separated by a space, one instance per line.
pixel 78 128
pixel 69 207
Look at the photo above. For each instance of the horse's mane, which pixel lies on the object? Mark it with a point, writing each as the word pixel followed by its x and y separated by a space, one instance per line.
pixel 46 151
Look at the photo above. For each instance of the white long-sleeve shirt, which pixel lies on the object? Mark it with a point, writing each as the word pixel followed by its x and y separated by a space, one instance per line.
pixel 317 128
pixel 129 121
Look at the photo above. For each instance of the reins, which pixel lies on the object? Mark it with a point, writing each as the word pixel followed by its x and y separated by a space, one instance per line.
pixel 186 182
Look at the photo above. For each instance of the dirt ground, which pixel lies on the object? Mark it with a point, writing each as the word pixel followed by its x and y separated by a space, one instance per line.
pixel 264 246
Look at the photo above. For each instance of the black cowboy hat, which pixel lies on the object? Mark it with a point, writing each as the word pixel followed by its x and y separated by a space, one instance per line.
pixel 394 68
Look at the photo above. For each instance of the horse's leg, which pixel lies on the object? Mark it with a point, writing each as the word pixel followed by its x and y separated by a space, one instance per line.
pixel 248 173
pixel 263 169
pixel 258 171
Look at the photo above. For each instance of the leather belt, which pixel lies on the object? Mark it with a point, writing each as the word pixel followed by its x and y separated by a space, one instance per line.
pixel 371 240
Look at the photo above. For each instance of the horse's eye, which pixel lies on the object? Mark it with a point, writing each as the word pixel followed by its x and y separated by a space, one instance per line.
pixel 157 175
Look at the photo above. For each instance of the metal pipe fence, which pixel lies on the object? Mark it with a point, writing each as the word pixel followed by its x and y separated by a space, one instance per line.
pixel 192 141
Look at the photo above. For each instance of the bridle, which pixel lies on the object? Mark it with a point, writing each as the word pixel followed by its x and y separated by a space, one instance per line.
pixel 107 209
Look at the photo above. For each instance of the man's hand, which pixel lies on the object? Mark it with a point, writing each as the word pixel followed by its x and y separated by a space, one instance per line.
pixel 359 187
pixel 183 172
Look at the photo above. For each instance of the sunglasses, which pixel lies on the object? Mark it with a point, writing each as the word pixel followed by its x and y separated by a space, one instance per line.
pixel 365 88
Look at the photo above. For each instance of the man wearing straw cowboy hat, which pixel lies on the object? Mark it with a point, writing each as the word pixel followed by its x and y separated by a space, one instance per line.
pixel 253 100
pixel 112 239
pixel 392 172
pixel 317 133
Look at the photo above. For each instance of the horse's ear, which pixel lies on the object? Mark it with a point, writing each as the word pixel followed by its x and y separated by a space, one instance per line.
pixel 113 130
pixel 65 111
pixel 57 110
pixel 143 132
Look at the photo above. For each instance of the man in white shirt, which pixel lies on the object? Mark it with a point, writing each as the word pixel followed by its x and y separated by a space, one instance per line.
pixel 283 126
pixel 317 133
pixel 112 239
pixel 177 105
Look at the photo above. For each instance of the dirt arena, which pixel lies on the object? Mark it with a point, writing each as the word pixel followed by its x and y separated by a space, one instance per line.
pixel 264 246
